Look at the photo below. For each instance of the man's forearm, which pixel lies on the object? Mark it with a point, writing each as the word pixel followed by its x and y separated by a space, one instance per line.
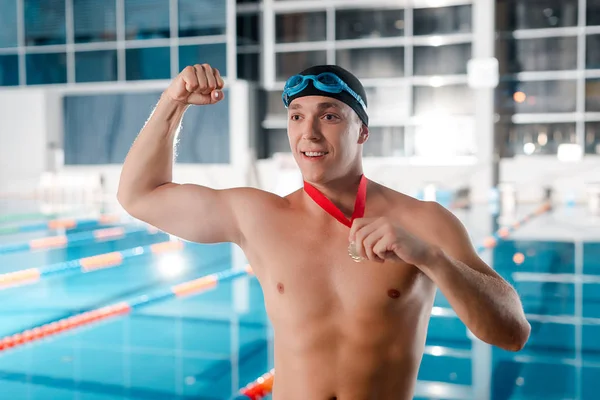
pixel 149 163
pixel 486 304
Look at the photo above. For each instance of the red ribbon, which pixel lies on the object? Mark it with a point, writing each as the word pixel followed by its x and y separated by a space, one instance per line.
pixel 331 209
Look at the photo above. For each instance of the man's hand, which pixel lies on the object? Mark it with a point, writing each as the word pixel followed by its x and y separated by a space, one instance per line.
pixel 378 239
pixel 196 85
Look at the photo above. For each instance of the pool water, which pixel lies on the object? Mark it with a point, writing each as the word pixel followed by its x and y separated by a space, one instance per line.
pixel 207 346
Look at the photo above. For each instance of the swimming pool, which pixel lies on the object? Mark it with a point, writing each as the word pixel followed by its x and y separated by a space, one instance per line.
pixel 207 346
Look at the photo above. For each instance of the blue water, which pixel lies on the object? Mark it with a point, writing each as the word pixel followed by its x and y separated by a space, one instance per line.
pixel 207 346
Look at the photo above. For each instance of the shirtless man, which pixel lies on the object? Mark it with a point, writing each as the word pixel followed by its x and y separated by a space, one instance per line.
pixel 343 329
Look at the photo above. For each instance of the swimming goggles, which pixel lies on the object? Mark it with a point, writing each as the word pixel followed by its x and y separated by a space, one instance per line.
pixel 325 82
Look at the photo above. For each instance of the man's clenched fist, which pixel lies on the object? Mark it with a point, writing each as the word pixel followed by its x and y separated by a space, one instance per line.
pixel 197 85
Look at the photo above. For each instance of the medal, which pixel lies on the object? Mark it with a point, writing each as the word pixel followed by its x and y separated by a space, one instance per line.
pixel 331 209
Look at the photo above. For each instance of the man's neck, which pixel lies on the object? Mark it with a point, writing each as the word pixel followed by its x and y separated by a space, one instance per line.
pixel 341 191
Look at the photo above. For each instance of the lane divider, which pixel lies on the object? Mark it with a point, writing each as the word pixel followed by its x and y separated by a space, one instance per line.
pixel 86 264
pixel 190 288
pixel 68 223
pixel 502 233
pixel 62 241
pixel 263 386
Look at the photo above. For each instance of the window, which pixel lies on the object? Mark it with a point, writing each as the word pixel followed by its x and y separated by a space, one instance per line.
pixel 592 54
pixel 276 141
pixel 202 17
pixel 214 55
pixel 248 66
pixel 444 100
pixel 9 70
pixel 46 68
pixel 592 95
pixel 387 102
pixel 292 63
pixel 146 19
pixel 387 141
pixel 150 63
pixel 543 54
pixel 527 14
pixel 89 139
pixel 300 27
pixel 529 139
pixel 248 29
pixel 275 107
pixel 45 22
pixel 96 66
pixel 442 20
pixel 593 12
pixel 364 24
pixel 443 138
pixel 8 23
pixel 373 62
pixel 94 20
pixel 536 97
pixel 592 138
pixel 442 60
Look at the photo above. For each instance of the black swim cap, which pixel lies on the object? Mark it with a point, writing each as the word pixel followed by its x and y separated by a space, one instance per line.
pixel 345 97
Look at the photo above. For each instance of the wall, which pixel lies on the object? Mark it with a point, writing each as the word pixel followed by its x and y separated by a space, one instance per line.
pixel 27 119
pixel 31 118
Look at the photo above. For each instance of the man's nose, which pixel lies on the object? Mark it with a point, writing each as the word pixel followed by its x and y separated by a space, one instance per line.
pixel 312 131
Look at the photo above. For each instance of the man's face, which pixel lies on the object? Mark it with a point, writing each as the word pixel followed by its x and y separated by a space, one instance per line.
pixel 325 137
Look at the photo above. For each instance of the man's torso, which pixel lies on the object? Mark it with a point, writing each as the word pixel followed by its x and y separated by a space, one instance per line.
pixel 343 329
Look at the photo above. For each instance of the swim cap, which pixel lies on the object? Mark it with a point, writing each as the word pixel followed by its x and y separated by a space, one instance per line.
pixel 345 97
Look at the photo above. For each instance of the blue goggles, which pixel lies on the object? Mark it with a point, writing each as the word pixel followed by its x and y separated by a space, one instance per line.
pixel 325 82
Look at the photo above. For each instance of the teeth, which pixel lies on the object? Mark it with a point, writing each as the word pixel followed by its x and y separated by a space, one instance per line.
pixel 314 154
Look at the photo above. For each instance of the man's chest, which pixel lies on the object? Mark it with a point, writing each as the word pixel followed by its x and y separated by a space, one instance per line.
pixel 305 265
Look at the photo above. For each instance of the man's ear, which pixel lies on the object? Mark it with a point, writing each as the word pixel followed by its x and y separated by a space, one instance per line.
pixel 364 134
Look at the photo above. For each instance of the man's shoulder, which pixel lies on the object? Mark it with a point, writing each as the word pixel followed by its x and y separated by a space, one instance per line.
pixel 251 199
pixel 408 207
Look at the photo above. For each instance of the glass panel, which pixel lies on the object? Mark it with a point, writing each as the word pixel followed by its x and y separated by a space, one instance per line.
pixel 275 107
pixel 213 54
pixel 96 66
pixel 8 23
pixel 46 68
pixel 536 97
pixel 442 60
pixel 531 139
pixel 151 63
pixel 386 102
pixel 527 14
pixel 288 64
pixel 592 138
pixel 300 27
pixel 442 20
pixel 363 24
pixel 146 19
pixel 202 17
pixel 444 138
pixel 387 141
pixel 544 54
pixel 248 66
pixel 248 29
pixel 44 22
pixel 592 54
pixel 373 62
pixel 444 100
pixel 592 95
pixel 95 20
pixel 9 70
pixel 276 141
pixel 593 12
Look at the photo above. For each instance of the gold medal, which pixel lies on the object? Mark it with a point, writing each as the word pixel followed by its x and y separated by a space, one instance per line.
pixel 353 253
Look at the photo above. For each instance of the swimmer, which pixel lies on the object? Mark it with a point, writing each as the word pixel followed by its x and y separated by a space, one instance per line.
pixel 349 268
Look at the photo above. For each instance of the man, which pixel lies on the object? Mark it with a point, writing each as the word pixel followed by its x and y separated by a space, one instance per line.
pixel 348 267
